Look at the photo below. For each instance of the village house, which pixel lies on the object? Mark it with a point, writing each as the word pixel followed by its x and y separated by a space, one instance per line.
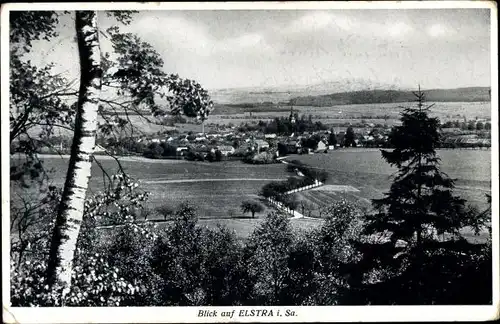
pixel 321 147
pixel 181 150
pixel 261 145
pixel 226 149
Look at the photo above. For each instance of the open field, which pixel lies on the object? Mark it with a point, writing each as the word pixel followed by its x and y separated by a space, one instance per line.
pixel 217 189
pixel 444 110
pixel 365 170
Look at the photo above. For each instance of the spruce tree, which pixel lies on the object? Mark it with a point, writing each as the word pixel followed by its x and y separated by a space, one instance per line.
pixel 420 202
pixel 426 257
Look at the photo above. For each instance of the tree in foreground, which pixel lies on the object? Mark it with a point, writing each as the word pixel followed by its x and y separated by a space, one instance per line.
pixel 73 198
pixel 267 263
pixel 250 206
pixel 420 203
pixel 420 217
pixel 135 74
pixel 320 261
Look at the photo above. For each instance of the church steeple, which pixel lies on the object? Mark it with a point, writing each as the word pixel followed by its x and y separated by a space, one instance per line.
pixel 292 116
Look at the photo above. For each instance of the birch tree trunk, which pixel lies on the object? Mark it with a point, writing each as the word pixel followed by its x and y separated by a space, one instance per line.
pixel 70 214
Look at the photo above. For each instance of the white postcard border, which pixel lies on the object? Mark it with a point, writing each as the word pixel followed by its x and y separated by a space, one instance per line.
pixel 304 313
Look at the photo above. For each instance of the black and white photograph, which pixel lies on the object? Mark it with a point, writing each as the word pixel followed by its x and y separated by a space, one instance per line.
pixel 249 162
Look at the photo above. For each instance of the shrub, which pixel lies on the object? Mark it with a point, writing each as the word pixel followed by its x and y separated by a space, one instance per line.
pixel 267 263
pixel 94 283
pixel 154 151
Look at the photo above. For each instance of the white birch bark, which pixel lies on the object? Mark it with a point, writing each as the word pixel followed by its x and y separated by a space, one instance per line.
pixel 71 209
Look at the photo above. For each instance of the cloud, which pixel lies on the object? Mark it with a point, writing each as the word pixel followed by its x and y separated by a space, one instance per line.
pixel 181 33
pixel 399 29
pixel 310 46
pixel 320 20
pixel 348 24
pixel 184 35
pixel 243 41
pixel 438 30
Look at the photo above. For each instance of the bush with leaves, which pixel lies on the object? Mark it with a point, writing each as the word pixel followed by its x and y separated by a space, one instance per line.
pixel 300 285
pixel 178 258
pixel 130 249
pixel 268 249
pixel 196 265
pixel 93 275
pixel 336 252
pixel 223 279
pixel 32 217
pixel 267 157
pixel 218 156
pixel 95 283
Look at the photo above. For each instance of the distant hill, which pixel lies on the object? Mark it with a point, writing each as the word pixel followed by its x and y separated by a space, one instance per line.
pixel 284 93
pixel 472 94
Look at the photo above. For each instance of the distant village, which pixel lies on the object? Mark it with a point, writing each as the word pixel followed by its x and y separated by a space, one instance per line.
pixel 264 141
pixel 255 143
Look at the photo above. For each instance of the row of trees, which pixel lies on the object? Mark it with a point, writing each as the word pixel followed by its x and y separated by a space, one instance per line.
pixel 185 264
pixel 215 156
pixel 284 126
pixel 471 125
pixel 305 176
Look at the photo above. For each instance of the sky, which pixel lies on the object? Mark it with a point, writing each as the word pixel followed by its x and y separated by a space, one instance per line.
pixel 437 48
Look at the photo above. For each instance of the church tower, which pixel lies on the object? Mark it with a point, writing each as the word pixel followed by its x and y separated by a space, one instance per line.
pixel 292 116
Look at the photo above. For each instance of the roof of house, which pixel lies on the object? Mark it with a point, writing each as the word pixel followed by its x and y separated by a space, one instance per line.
pixel 225 148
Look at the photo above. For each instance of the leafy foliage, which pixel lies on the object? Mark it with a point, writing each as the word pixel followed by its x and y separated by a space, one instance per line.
pixel 268 250
pixel 36 103
pixel 29 26
pixel 95 284
pixel 32 218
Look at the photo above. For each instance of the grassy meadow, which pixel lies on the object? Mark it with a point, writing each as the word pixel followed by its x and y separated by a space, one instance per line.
pixel 217 189
pixel 365 170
